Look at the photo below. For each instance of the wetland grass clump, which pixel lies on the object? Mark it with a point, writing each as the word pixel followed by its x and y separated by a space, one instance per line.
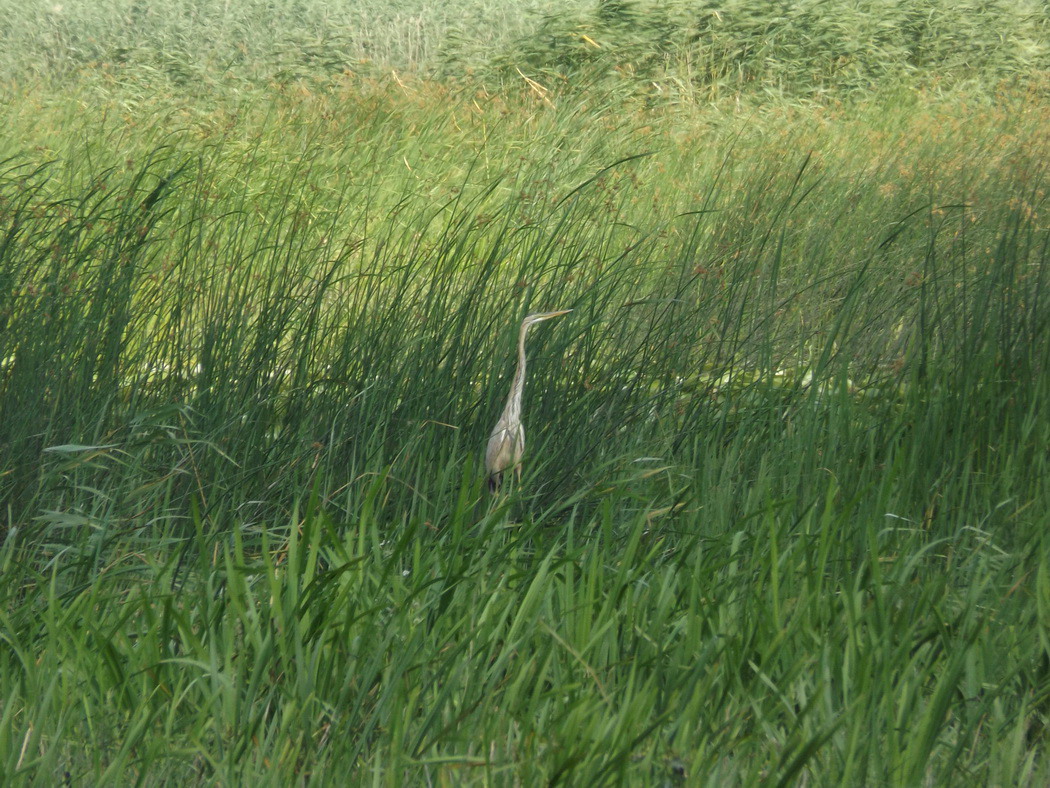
pixel 783 513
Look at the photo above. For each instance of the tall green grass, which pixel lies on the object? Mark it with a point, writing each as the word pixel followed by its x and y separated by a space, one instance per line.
pixel 717 49
pixel 783 507
pixel 670 50
pixel 203 44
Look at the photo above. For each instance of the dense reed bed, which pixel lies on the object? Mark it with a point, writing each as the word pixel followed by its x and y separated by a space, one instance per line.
pixel 692 49
pixel 783 510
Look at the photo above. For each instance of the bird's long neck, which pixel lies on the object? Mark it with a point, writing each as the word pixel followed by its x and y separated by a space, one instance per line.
pixel 513 407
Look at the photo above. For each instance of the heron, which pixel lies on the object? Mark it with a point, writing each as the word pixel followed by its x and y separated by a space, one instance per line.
pixel 507 441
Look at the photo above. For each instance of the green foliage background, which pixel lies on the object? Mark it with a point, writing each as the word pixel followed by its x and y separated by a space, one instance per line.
pixel 783 510
pixel 701 47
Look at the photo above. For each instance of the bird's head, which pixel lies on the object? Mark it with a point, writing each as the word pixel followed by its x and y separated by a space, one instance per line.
pixel 539 317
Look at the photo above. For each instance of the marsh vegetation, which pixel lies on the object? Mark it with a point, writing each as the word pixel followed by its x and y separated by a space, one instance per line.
pixel 783 515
